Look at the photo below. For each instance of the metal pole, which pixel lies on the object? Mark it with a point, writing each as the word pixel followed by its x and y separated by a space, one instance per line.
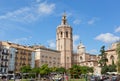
pixel 14 76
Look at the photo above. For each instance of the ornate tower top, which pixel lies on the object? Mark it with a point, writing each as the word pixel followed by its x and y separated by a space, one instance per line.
pixel 64 20
pixel 81 45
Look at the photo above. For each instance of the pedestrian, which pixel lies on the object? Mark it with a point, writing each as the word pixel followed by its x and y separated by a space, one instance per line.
pixel 66 77
pixel 118 77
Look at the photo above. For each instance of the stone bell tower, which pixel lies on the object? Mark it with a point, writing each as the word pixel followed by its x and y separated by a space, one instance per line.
pixel 64 42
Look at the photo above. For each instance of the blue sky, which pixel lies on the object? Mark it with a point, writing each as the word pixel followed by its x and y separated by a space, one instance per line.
pixel 28 22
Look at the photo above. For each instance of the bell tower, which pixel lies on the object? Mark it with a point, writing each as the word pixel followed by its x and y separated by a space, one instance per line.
pixel 64 42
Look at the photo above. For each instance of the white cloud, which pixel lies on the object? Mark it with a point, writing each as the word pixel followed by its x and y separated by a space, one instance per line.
pixel 75 39
pixel 51 44
pixel 117 29
pixel 77 22
pixel 92 21
pixel 22 40
pixel 9 21
pixel 93 51
pixel 107 38
pixel 46 8
pixel 29 13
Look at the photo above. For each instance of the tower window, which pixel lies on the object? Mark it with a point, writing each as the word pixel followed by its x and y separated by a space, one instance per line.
pixel 112 57
pixel 81 58
pixel 66 33
pixel 61 34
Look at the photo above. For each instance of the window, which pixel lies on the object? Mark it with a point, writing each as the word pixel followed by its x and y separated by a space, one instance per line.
pixel 10 55
pixel 112 57
pixel 81 58
pixel 66 33
pixel 67 57
pixel 61 34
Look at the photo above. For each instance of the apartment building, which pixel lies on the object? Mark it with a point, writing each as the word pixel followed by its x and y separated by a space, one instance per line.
pixel 15 56
pixel 4 58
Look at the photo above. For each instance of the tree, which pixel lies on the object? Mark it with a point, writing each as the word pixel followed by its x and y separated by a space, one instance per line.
pixel 53 69
pixel 25 69
pixel 44 69
pixel 75 71
pixel 104 69
pixel 112 68
pixel 90 69
pixel 84 69
pixel 61 70
pixel 103 61
pixel 35 71
pixel 118 53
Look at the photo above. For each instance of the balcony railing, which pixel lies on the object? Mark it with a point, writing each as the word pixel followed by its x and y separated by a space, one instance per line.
pixel 4 65
pixel 5 53
pixel 4 59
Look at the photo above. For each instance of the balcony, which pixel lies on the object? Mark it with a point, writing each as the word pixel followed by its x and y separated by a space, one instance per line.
pixel 29 59
pixel 4 65
pixel 4 59
pixel 5 53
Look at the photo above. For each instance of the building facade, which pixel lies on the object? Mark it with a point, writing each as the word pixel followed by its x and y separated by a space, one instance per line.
pixel 4 58
pixel 83 58
pixel 48 56
pixel 111 54
pixel 16 56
